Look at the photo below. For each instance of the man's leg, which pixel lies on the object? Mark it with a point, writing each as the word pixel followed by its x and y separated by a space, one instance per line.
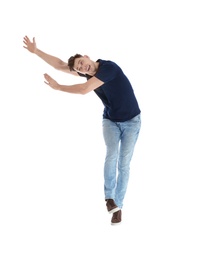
pixel 130 131
pixel 111 134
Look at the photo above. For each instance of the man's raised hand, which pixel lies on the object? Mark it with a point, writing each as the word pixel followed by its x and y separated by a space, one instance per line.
pixel 30 46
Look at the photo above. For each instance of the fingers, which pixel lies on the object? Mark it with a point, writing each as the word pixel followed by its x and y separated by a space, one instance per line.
pixel 47 78
pixel 50 81
pixel 27 40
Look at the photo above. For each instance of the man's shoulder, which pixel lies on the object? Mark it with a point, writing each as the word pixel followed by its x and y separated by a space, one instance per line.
pixel 108 64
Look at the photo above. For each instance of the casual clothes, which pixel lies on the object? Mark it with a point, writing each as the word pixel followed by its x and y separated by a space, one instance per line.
pixel 121 127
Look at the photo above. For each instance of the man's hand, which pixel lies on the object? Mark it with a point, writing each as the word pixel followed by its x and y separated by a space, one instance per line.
pixel 30 46
pixel 51 82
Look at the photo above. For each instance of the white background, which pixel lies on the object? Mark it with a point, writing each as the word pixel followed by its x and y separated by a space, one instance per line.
pixel 52 150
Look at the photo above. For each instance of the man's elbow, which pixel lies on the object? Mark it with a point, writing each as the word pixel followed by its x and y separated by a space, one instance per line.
pixel 60 65
pixel 84 91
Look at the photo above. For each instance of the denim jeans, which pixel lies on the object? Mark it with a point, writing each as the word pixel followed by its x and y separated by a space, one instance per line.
pixel 120 139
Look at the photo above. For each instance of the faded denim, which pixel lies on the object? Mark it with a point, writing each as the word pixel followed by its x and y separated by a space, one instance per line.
pixel 120 139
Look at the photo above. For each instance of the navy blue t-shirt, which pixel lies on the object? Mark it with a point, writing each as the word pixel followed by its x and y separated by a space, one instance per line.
pixel 117 95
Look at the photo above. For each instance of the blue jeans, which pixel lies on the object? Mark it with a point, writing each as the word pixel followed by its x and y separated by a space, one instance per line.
pixel 120 139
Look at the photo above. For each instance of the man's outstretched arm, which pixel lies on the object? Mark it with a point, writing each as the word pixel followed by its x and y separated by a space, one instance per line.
pixel 82 88
pixel 51 60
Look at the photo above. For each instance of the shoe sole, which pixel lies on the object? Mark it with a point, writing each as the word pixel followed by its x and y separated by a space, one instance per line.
pixel 115 224
pixel 114 210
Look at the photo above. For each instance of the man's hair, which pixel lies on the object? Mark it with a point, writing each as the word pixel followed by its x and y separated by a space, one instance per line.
pixel 71 61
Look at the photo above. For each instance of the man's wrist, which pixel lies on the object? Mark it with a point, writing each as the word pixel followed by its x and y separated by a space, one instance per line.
pixel 36 51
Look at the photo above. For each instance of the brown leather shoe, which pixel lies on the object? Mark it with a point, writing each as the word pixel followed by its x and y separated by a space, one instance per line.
pixel 111 206
pixel 116 218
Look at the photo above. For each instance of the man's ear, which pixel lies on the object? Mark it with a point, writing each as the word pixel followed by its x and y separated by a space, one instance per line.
pixel 86 56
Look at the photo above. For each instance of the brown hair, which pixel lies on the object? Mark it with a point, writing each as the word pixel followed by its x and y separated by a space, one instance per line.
pixel 71 61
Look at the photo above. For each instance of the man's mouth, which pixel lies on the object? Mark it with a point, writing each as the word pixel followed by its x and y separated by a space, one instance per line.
pixel 88 68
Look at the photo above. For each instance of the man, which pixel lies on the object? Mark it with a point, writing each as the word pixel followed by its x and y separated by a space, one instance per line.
pixel 121 116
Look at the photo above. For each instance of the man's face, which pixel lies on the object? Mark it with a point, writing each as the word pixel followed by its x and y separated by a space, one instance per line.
pixel 84 65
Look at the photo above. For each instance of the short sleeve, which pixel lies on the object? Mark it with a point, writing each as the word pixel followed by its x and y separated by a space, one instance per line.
pixel 107 71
